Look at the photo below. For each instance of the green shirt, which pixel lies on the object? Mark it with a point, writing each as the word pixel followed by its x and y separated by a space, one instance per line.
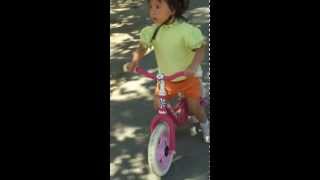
pixel 173 46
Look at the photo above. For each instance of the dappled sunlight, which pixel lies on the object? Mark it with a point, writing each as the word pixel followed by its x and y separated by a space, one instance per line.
pixel 118 4
pixel 118 38
pixel 117 10
pixel 119 22
pixel 125 132
pixel 116 82
pixel 115 165
pixel 133 89
pixel 125 164
pixel 122 45
pixel 137 164
pixel 123 16
pixel 199 15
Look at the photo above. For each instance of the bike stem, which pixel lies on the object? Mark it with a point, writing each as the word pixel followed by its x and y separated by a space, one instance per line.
pixel 162 94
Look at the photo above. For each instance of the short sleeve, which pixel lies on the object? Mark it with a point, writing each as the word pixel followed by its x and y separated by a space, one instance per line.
pixel 193 37
pixel 145 37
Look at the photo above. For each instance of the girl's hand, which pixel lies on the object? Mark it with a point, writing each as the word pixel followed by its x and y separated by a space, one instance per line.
pixel 132 65
pixel 189 72
pixel 137 55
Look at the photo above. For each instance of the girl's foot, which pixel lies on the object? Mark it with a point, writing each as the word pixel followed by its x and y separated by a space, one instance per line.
pixel 206 131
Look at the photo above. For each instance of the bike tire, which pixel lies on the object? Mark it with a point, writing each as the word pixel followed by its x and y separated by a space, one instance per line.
pixel 154 147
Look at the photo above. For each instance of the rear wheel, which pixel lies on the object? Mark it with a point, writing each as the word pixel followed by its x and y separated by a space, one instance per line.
pixel 159 156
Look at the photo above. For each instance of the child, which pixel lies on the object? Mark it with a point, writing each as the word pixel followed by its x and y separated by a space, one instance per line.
pixel 178 46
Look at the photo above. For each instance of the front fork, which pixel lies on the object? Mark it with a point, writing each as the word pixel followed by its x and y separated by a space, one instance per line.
pixel 168 121
pixel 163 116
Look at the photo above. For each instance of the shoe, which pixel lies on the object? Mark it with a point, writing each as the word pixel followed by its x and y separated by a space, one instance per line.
pixel 206 132
pixel 193 130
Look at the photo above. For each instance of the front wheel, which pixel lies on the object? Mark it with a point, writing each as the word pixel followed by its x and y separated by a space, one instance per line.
pixel 159 156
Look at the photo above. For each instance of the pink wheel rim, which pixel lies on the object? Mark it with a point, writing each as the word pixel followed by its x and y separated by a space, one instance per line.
pixel 163 154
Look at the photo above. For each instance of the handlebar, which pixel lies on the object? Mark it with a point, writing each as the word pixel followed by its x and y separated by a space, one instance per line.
pixel 153 76
pixel 145 73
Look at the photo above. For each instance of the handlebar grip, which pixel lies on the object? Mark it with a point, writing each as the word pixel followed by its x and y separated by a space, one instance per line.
pixel 125 67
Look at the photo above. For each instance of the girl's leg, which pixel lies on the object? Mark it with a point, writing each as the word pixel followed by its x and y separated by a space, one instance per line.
pixel 198 111
pixel 156 102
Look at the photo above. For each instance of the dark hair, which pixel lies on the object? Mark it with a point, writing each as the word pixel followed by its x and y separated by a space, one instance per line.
pixel 179 6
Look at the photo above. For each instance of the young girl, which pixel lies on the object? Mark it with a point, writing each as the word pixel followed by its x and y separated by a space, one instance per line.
pixel 178 46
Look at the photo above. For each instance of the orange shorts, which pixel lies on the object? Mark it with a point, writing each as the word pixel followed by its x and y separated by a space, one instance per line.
pixel 189 87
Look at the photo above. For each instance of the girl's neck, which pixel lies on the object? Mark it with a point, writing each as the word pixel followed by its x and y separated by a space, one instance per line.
pixel 172 19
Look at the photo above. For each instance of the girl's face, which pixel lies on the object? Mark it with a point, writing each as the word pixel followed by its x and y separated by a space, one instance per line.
pixel 159 11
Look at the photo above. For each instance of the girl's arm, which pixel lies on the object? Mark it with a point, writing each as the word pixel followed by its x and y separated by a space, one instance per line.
pixel 137 55
pixel 198 58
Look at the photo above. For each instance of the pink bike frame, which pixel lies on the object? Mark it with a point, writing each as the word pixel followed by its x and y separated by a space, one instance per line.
pixel 166 112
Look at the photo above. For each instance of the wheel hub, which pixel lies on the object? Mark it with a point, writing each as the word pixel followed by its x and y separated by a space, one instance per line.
pixel 166 151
